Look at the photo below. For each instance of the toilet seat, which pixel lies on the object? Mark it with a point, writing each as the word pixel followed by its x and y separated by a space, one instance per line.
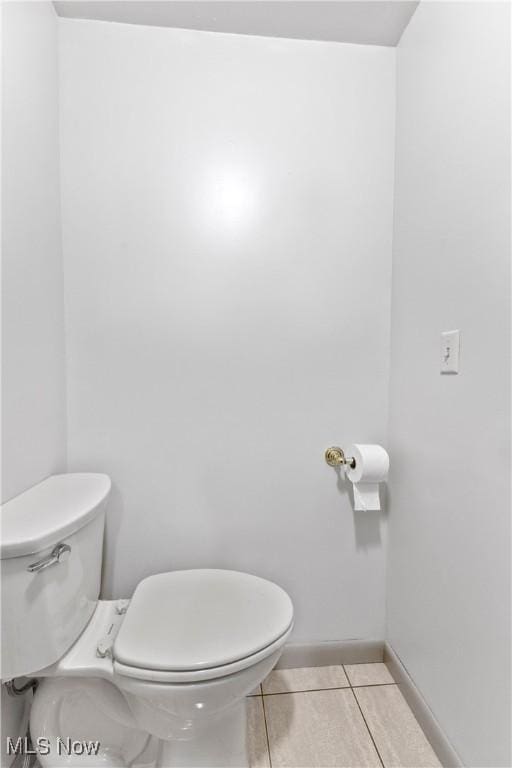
pixel 200 624
pixel 200 675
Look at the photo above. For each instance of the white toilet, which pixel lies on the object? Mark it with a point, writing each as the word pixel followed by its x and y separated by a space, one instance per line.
pixel 158 680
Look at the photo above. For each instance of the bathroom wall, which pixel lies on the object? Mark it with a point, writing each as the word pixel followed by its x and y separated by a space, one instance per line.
pixel 227 242
pixel 449 510
pixel 33 399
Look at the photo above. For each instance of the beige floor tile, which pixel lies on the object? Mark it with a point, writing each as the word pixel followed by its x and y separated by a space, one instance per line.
pixel 305 679
pixel 396 732
pixel 256 691
pixel 256 734
pixel 320 729
pixel 368 674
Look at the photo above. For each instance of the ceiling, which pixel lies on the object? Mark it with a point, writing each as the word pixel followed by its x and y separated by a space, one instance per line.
pixel 370 22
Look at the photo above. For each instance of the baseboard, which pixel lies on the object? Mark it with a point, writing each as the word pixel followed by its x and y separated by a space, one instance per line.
pixel 422 712
pixel 325 654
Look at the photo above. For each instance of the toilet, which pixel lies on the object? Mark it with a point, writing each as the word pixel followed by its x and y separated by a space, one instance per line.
pixel 157 680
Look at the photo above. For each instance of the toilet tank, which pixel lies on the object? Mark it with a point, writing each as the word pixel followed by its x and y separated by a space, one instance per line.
pixel 51 551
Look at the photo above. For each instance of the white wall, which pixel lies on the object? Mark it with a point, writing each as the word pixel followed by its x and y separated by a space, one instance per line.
pixel 449 560
pixel 227 244
pixel 33 398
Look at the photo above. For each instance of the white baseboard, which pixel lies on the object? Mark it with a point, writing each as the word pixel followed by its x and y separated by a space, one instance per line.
pixel 422 712
pixel 325 654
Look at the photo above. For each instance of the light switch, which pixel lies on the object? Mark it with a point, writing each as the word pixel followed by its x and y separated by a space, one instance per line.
pixel 450 351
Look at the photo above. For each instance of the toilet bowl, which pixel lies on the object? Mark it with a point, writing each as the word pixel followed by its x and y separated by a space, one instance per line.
pixel 175 663
pixel 158 680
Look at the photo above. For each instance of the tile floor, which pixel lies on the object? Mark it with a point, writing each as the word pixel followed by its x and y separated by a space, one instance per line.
pixel 352 716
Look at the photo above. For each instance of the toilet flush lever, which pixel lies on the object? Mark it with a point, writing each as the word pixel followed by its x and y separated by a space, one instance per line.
pixel 58 554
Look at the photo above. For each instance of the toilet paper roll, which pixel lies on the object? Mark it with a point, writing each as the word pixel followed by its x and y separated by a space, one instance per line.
pixel 372 465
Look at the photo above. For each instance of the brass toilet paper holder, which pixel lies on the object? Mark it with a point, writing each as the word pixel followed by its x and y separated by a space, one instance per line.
pixel 335 457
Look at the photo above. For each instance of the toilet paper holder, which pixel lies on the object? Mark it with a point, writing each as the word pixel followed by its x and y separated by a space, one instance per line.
pixel 335 457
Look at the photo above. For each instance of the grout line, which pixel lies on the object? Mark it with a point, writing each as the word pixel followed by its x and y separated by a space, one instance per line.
pixel 371 685
pixel 364 719
pixel 309 690
pixel 334 688
pixel 266 729
pixel 368 728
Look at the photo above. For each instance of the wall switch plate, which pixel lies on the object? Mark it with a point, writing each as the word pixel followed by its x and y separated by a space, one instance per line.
pixel 450 351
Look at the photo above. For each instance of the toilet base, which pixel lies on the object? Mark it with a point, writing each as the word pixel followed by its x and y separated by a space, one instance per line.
pixel 90 710
pixel 220 744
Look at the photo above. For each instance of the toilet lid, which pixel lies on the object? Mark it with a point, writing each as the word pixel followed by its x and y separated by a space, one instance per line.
pixel 191 620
